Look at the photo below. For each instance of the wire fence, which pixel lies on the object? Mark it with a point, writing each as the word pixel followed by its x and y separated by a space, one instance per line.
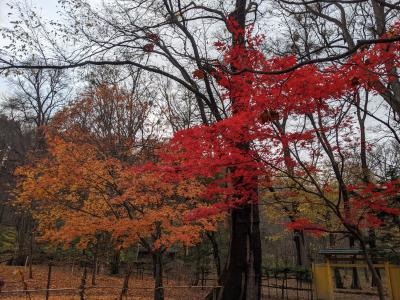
pixel 117 291
pixel 283 283
pixel 275 286
pixel 287 284
pixel 122 291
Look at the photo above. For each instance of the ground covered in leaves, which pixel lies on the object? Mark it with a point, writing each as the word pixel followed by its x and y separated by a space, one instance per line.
pixel 107 287
pixel 65 283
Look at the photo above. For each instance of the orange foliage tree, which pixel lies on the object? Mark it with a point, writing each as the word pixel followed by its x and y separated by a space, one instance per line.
pixel 86 186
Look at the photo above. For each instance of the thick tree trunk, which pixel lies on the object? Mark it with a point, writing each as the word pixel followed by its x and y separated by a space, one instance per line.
pixel 301 252
pixel 241 278
pixel 158 276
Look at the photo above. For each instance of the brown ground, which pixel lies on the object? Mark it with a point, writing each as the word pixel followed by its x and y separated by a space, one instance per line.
pixel 109 287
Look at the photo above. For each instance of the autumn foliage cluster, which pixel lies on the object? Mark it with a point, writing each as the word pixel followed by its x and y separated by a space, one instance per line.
pixel 91 182
pixel 276 114
pixel 159 193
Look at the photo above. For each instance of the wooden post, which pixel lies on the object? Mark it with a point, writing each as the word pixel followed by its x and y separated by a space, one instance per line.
pixel 214 293
pixel 26 263
pixel 73 265
pixel 202 278
pixel 389 282
pixel 82 287
pixel 24 284
pixel 48 281
pixel 330 282
pixel 31 256
pixel 286 286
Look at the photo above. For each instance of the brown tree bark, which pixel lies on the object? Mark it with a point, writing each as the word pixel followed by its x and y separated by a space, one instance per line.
pixel 158 275
pixel 241 277
pixel 216 254
pixel 115 262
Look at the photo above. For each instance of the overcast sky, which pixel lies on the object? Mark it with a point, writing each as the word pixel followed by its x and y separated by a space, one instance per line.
pixel 48 8
pixel 45 8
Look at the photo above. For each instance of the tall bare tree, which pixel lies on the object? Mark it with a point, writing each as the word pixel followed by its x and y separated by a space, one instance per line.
pixel 35 95
pixel 328 29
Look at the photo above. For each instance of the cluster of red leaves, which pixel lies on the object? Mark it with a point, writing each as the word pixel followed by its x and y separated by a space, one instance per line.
pixel 153 37
pixel 199 74
pixel 226 153
pixel 371 200
pixel 306 225
pixel 148 48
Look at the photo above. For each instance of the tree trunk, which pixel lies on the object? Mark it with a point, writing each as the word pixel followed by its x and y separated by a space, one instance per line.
pixel 82 287
pixel 196 279
pixel 21 239
pixel 216 255
pixel 375 276
pixel 115 260
pixel 301 253
pixel 125 287
pixel 31 255
pixel 372 246
pixel 94 270
pixel 158 276
pixel 241 278
pixel 2 208
pixel 338 277
pixel 355 279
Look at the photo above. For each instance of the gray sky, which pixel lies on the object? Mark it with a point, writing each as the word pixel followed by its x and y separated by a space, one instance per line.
pixel 45 8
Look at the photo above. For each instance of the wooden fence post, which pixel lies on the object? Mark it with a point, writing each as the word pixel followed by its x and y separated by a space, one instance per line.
pixel 214 293
pixel 82 287
pixel 48 281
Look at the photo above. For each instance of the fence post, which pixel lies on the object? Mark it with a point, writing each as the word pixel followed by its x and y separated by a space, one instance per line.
pixel 24 284
pixel 48 281
pixel 388 279
pixel 83 284
pixel 214 293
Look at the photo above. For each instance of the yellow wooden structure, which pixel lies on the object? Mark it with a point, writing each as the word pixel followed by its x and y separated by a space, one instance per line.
pixel 394 275
pixel 323 273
